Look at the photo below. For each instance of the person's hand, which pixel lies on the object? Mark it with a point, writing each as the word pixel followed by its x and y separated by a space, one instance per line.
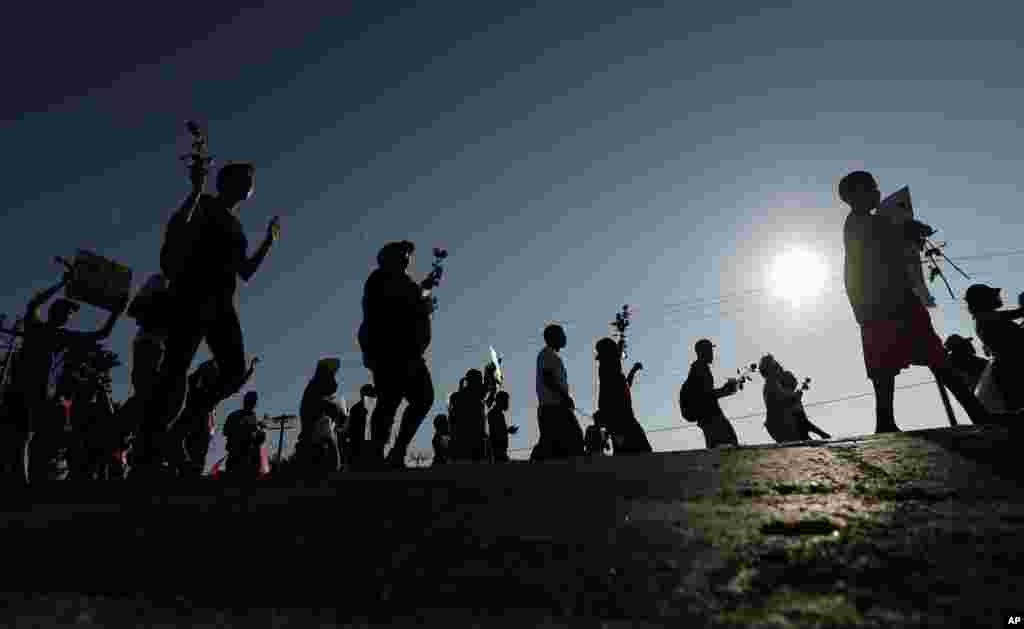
pixel 274 229
pixel 513 430
pixel 921 230
pixel 254 361
pixel 637 366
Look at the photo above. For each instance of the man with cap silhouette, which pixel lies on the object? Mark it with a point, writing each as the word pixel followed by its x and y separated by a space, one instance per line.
pixel 717 429
pixel 244 434
pixel 896 329
pixel 1003 337
pixel 33 385
pixel 393 336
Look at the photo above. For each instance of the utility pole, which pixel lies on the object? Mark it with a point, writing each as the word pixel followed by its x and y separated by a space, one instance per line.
pixel 284 422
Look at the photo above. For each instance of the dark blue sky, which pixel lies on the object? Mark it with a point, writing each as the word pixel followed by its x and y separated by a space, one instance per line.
pixel 572 157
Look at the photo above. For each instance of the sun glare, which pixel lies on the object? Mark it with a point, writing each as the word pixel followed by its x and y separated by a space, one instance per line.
pixel 798 275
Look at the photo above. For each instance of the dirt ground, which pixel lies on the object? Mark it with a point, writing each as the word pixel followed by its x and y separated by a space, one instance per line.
pixel 911 529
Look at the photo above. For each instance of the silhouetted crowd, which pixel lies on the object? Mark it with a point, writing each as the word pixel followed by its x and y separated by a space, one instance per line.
pixel 57 401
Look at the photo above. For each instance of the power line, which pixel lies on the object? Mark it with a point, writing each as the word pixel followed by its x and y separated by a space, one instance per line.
pixel 756 415
pixel 707 303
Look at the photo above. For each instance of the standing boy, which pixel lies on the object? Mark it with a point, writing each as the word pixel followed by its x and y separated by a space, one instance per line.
pixel 896 329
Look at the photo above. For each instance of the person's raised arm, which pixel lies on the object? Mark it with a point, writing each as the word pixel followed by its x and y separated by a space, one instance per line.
pixel 249 266
pixel 34 309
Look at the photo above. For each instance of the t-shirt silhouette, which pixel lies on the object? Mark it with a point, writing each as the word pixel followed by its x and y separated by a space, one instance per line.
pixel 238 426
pixel 218 254
pixel 395 315
pixel 548 360
pixel 873 267
pixel 705 403
pixel 613 394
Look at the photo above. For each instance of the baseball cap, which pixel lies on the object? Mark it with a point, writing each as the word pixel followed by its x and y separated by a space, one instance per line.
pixel 978 293
pixel 330 364
pixel 955 340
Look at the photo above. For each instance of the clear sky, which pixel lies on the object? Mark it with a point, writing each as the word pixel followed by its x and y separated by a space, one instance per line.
pixel 573 157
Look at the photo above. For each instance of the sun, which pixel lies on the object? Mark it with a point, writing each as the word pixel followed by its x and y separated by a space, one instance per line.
pixel 798 275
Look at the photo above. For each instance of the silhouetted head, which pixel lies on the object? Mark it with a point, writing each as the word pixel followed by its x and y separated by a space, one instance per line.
pixel 250 400
pixel 60 312
pixel 236 181
pixel 367 390
pixel 441 423
pixel 554 336
pixel 607 349
pixel 959 345
pixel 396 256
pixel 474 379
pixel 860 191
pixel 705 350
pixel 983 298
pixel 325 378
pixel 502 400
pixel 768 365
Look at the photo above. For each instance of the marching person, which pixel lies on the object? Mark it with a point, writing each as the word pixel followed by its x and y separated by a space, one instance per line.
pixel 393 337
pixel 614 400
pixel 245 434
pixel 316 451
pixel 205 252
pixel 33 386
pixel 712 421
pixel 560 433
pixel 468 418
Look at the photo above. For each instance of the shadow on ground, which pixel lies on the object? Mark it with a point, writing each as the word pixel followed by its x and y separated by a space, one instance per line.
pixel 908 529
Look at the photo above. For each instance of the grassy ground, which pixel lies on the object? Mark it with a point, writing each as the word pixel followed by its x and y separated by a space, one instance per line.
pixel 915 529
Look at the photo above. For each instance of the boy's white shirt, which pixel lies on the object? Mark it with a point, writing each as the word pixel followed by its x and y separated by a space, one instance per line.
pixel 549 360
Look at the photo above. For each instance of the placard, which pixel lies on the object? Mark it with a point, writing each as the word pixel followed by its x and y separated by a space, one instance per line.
pixel 99 281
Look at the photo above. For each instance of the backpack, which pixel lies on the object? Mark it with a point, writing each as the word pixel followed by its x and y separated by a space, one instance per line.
pixel 688 402
pixel 180 242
